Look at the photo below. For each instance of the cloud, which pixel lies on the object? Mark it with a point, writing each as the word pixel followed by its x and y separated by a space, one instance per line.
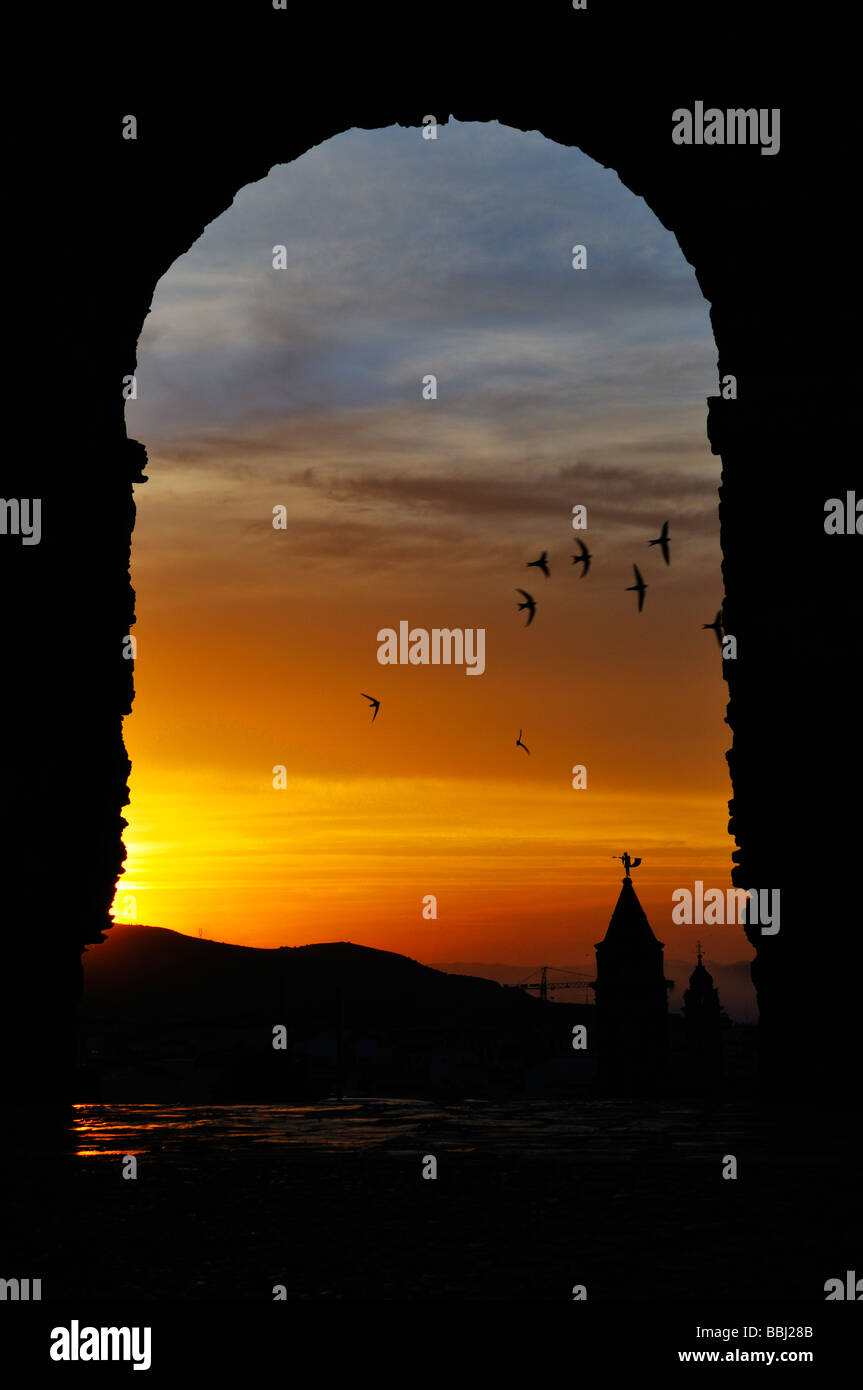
pixel 303 387
pixel 407 257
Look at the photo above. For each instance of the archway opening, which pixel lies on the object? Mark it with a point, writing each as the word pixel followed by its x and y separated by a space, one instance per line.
pixel 307 385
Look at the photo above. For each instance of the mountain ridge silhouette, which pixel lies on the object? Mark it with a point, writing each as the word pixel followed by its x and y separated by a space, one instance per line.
pixel 138 964
pixel 165 1015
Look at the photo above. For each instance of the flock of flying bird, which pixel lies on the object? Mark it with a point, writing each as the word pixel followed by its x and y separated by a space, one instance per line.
pixel 584 558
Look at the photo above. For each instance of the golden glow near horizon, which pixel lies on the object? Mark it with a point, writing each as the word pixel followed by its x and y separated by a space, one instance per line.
pixel 254 644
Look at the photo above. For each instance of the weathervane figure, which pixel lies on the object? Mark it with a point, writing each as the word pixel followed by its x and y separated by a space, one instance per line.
pixel 627 862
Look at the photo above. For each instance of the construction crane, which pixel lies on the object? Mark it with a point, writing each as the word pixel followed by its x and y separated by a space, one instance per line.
pixel 543 986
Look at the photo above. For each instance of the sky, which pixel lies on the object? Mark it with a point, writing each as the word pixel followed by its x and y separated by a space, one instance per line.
pixel 301 388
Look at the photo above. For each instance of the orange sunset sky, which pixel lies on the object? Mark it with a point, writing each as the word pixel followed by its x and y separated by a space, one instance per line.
pixel 301 387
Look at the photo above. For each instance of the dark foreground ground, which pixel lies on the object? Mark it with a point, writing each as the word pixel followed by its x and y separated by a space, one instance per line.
pixel 626 1198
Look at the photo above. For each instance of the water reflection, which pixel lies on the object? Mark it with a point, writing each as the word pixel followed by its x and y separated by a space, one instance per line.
pixel 109 1130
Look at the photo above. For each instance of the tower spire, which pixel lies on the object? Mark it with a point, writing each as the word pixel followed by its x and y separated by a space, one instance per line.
pixel 631 992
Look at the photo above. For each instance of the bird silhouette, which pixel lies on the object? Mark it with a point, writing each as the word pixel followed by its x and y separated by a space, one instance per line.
pixel 662 541
pixel 541 563
pixel 639 586
pixel 372 701
pixel 529 604
pixel 715 626
pixel 519 744
pixel 584 558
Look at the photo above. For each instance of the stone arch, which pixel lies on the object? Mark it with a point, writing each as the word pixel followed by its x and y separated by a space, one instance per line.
pixel 165 192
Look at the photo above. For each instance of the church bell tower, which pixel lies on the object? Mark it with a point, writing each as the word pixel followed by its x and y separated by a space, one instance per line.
pixel 704 1018
pixel 631 994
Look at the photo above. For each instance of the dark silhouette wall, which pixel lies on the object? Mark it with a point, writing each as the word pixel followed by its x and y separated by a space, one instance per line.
pixel 102 219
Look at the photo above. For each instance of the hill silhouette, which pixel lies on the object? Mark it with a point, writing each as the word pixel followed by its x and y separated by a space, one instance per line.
pixel 139 965
pixel 166 1015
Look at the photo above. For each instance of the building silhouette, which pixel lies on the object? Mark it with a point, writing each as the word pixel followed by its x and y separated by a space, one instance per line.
pixel 704 1019
pixel 631 994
